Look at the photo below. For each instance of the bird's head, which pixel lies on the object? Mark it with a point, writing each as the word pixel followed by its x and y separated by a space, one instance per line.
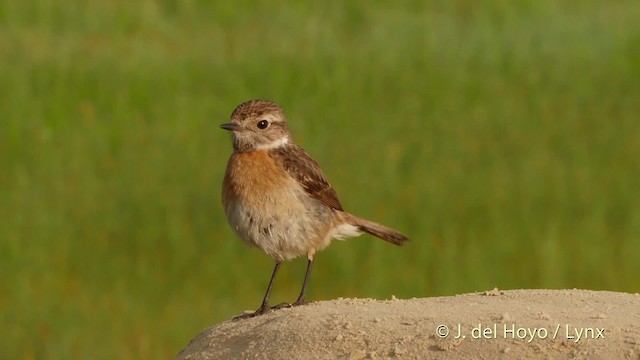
pixel 258 125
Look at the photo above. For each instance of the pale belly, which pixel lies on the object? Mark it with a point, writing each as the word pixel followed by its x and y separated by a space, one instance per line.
pixel 284 224
pixel 269 209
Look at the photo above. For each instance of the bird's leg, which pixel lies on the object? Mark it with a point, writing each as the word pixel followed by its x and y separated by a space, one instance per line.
pixel 264 308
pixel 301 300
pixel 265 302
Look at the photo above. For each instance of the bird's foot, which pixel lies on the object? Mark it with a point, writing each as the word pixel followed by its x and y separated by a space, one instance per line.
pixel 300 301
pixel 265 308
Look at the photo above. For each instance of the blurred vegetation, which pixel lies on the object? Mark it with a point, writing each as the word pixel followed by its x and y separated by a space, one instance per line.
pixel 504 137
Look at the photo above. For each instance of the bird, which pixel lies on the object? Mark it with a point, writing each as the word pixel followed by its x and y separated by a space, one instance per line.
pixel 276 197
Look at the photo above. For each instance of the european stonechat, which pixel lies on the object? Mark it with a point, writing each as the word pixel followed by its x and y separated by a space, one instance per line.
pixel 277 198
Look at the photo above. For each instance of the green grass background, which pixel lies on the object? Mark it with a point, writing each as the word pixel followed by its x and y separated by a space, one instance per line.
pixel 502 136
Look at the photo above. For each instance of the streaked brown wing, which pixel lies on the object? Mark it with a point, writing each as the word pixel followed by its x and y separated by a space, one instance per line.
pixel 302 167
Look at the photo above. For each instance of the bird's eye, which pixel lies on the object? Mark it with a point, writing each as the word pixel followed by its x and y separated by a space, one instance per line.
pixel 262 124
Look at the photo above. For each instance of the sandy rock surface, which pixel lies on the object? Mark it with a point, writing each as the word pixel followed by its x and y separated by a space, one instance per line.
pixel 548 324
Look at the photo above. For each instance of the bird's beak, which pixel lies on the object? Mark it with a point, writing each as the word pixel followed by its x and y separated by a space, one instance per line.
pixel 230 126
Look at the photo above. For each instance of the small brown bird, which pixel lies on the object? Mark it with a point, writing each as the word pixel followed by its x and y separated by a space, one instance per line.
pixel 276 197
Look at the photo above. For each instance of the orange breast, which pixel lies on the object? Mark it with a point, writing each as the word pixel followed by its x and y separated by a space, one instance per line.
pixel 269 209
pixel 251 175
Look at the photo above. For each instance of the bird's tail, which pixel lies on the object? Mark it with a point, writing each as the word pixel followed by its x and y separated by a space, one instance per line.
pixel 377 230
